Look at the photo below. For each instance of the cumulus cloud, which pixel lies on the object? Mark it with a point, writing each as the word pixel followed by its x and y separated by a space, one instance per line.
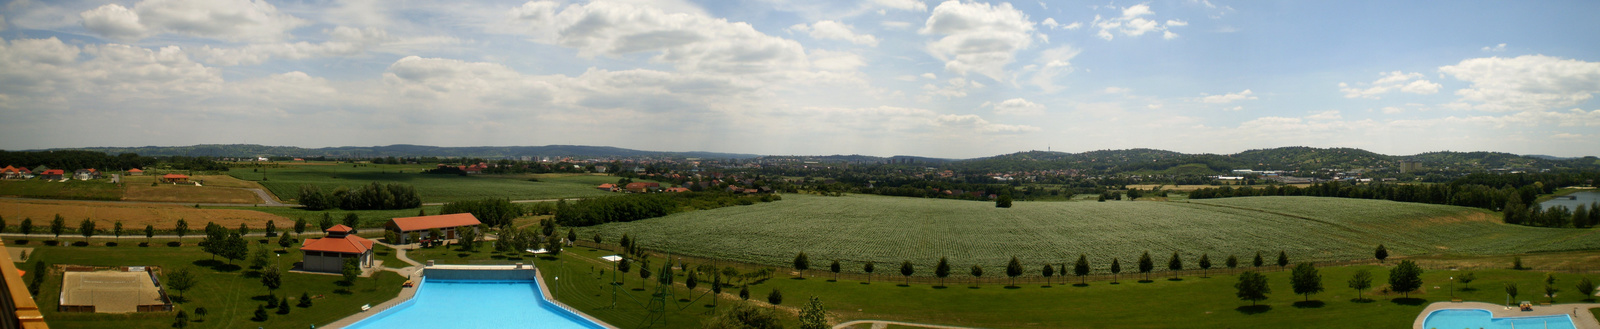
pixel 1525 83
pixel 1051 63
pixel 952 88
pixel 689 42
pixel 1015 106
pixel 978 37
pixel 1132 22
pixel 836 31
pixel 342 41
pixel 1115 90
pixel 1391 81
pixel 1495 48
pixel 911 5
pixel 1228 98
pixel 229 20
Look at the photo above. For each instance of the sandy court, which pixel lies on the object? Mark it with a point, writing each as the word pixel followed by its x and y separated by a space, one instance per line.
pixel 16 253
pixel 109 292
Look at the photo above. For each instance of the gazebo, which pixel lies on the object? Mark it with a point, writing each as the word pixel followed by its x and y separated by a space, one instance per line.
pixel 328 253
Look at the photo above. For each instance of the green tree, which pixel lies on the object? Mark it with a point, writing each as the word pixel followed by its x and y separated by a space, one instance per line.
pixel 181 320
pixel 553 248
pixel 1257 262
pixel 744 292
pixel 352 220
pixel 261 314
pixel 1466 279
pixel 943 270
pixel 775 297
pixel 181 229
pixel 299 226
pixel 801 264
pixel 272 278
pixel 236 248
pixel 1405 278
pixel 1047 272
pixel 350 270
pixel 149 232
pixel 1516 263
pixel 86 227
pixel 744 316
pixel 181 279
pixel 977 272
pixel 1081 268
pixel 1175 265
pixel 272 229
pixel 907 270
pixel 1381 254
pixel 1116 268
pixel 1511 292
pixel 1283 259
pixel 1014 269
pixel 1145 265
pixel 57 226
pixel 1252 286
pixel 116 229
pixel 216 240
pixel 283 305
pixel 1305 280
pixel 26 227
pixel 325 223
pixel 260 258
pixel 835 269
pixel 244 230
pixel 813 316
pixel 200 314
pixel 1586 288
pixel 572 236
pixel 868 268
pixel 1361 281
pixel 1205 265
pixel 305 300
pixel 1232 263
pixel 1004 201
pixel 467 238
pixel 1550 291
pixel 284 241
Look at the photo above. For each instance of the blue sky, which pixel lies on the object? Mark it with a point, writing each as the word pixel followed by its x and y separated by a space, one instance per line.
pixel 880 77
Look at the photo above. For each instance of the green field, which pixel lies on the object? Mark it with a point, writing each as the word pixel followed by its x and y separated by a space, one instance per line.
pixel 285 182
pixel 888 230
pixel 99 189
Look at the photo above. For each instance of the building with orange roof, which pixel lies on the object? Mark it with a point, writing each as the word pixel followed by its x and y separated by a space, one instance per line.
pixel 135 172
pixel 423 225
pixel 328 253
pixel 175 178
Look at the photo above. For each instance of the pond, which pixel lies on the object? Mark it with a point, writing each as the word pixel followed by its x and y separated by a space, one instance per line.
pixel 1571 201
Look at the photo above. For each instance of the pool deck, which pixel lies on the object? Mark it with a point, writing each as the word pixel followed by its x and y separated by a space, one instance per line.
pixel 1581 317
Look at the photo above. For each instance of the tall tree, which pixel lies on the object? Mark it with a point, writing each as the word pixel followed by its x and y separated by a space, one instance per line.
pixel 350 270
pixel 236 248
pixel 57 226
pixel 1014 269
pixel 86 227
pixel 1511 292
pixel 1205 265
pixel 272 278
pixel 813 316
pixel 1145 265
pixel 1048 271
pixel 352 220
pixel 1116 267
pixel 1081 268
pixel 26 227
pixel 325 222
pixel 149 232
pixel 1361 281
pixel 943 270
pixel 868 267
pixel 1252 286
pixel 1381 254
pixel 1405 278
pixel 1305 280
pixel 977 272
pixel 1257 262
pixel 181 229
pixel 907 270
pixel 272 229
pixel 299 226
pixel 1586 288
pixel 801 264
pixel 1283 259
pixel 835 269
pixel 116 229
pixel 244 230
pixel 181 279
pixel 1175 265
pixel 775 297
pixel 1232 263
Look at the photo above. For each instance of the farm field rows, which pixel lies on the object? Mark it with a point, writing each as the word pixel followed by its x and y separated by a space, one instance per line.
pixel 216 189
pixel 71 189
pixel 285 182
pixel 134 216
pixel 888 230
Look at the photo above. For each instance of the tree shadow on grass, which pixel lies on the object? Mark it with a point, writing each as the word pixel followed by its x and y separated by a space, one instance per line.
pixel 1013 287
pixel 549 257
pixel 1361 300
pixel 940 287
pixel 263 298
pixel 1146 281
pixel 174 244
pixel 1310 304
pixel 217 265
pixel 797 278
pixel 1254 309
pixel 1082 284
pixel 1412 301
pixel 252 274
pixel 1174 279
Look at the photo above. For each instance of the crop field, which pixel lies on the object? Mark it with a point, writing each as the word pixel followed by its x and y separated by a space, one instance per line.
pixel 285 182
pixel 134 216
pixel 99 189
pixel 216 189
pixel 888 230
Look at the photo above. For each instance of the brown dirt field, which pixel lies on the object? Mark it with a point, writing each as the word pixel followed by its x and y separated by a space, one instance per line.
pixel 217 189
pixel 1582 261
pixel 133 216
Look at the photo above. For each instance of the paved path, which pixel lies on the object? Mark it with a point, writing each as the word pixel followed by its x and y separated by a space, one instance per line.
pixel 879 324
pixel 267 198
pixel 1581 317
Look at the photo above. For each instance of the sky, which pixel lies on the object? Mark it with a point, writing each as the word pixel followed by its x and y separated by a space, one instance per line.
pixel 952 79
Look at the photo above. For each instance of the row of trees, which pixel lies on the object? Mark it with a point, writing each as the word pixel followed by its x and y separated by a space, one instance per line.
pixel 492 212
pixel 373 196
pixel 1516 201
pixel 1305 280
pixel 1585 216
pixel 1081 268
pixel 632 207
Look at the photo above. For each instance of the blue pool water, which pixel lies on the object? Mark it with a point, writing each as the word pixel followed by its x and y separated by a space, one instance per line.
pixel 476 304
pixel 1476 318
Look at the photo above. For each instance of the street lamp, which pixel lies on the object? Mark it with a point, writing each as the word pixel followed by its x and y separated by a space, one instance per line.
pixel 1452 287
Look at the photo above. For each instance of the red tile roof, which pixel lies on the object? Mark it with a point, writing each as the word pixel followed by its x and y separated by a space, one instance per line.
pixel 339 229
pixel 56 172
pixel 175 176
pixel 408 224
pixel 349 244
pixel 135 170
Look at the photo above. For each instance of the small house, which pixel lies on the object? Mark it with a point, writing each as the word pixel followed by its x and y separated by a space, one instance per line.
pixel 85 174
pixel 328 253
pixel 175 178
pixel 424 225
pixel 52 174
pixel 642 187
pixel 10 172
pixel 135 172
pixel 607 187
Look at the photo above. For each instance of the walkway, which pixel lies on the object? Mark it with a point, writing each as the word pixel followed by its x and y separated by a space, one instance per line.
pixel 880 324
pixel 1581 317
pixel 412 273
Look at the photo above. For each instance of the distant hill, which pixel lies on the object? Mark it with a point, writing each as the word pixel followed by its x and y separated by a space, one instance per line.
pixel 1282 158
pixel 403 150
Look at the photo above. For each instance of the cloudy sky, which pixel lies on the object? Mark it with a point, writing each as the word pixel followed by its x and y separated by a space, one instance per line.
pixel 878 77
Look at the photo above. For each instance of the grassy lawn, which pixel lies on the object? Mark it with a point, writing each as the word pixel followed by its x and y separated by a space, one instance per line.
pixel 229 293
pixel 216 189
pixel 455 255
pixel 285 182
pixel 99 189
pixel 1192 302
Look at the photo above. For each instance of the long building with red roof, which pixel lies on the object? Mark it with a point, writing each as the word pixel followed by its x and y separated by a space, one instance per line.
pixel 328 253
pixel 424 225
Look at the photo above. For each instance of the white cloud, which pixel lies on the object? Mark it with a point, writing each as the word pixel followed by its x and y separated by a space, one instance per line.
pixel 1050 22
pixel 952 88
pixel 1074 26
pixel 1325 116
pixel 978 37
pixel 230 20
pixel 1496 48
pixel 1133 23
pixel 1015 106
pixel 1236 108
pixel 912 5
pixel 897 25
pixel 930 76
pixel 836 31
pixel 1115 90
pixel 342 41
pixel 1525 83
pixel 1051 63
pixel 978 124
pixel 1228 98
pixel 1391 81
pixel 689 42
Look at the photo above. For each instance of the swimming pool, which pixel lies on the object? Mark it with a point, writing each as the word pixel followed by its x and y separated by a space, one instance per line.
pixel 443 303
pixel 1477 318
